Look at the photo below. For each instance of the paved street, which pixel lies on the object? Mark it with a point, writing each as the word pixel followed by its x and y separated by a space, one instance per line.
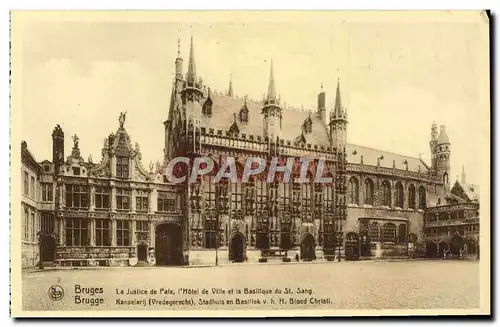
pixel 345 285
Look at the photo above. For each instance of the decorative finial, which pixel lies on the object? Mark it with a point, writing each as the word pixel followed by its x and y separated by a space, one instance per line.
pixel 123 116
pixel 178 47
pixel 321 86
pixel 90 158
pixel 234 115
pixel 75 141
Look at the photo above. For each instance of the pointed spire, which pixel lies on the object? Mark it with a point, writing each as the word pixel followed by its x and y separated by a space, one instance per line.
pixel 462 179
pixel 230 89
pixel 338 101
pixel 271 91
pixel 178 48
pixel 191 73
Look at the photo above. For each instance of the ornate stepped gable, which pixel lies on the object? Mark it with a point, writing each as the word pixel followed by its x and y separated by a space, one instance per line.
pixel 119 144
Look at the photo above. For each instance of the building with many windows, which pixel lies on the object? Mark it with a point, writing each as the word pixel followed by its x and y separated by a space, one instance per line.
pixel 116 212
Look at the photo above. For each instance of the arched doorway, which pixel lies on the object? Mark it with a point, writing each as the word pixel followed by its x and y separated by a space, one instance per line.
pixel 456 245
pixel 443 246
pixel 431 250
pixel 351 246
pixel 48 248
pixel 237 248
pixel 307 252
pixel 142 252
pixel 168 245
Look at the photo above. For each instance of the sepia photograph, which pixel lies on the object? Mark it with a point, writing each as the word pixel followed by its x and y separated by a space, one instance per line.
pixel 250 163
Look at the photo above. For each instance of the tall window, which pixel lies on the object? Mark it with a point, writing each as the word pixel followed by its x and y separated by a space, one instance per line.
pixel 307 195
pixel 402 234
pixel 77 196
pixel 102 232
pixel 47 223
pixel 353 191
pixel 374 232
pixel 386 194
pixel 328 196
pixel 32 187
pixel 262 230
pixel 122 233
pixel 236 195
pixel 368 191
pixel 33 227
pixel 166 202
pixel 411 196
pixel 399 195
pixel 26 183
pixel 421 198
pixel 141 226
pixel 210 223
pixel 102 197
pixel 389 233
pixel 122 199
pixel 47 192
pixel 141 201
pixel 76 232
pixel 26 225
pixel 122 165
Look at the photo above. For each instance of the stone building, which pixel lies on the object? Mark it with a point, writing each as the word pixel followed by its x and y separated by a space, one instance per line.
pixel 375 207
pixel 452 225
pixel 30 218
pixel 116 212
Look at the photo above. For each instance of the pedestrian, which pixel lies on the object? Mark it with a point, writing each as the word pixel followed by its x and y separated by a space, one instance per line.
pixel 297 257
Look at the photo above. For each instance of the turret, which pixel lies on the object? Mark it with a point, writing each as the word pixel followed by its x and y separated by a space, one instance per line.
pixel 443 152
pixel 58 148
pixel 178 67
pixel 338 122
pixel 432 145
pixel 271 110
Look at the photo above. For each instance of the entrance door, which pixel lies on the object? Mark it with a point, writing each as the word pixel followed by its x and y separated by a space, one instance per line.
pixel 169 245
pixel 443 246
pixel 48 248
pixel 307 252
pixel 431 250
pixel 351 246
pixel 142 252
pixel 457 245
pixel 237 248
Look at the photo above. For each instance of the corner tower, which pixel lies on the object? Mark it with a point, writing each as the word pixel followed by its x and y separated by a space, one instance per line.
pixel 443 153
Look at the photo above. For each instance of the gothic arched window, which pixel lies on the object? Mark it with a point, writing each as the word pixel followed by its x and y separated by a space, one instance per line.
pixel 421 198
pixel 374 232
pixel 411 196
pixel 353 191
pixel 399 195
pixel 389 233
pixel 386 193
pixel 207 107
pixel 368 191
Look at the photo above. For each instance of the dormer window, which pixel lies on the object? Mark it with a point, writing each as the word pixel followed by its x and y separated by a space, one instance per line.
pixel 207 106
pixel 244 113
pixel 76 171
pixel 308 125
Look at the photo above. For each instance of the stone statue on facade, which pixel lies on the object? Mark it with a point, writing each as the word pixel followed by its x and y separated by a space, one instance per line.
pixel 123 116
pixel 76 140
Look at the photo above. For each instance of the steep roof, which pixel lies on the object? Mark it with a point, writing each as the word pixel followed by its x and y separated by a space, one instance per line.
pixel 443 137
pixel 390 159
pixel 471 191
pixel 224 108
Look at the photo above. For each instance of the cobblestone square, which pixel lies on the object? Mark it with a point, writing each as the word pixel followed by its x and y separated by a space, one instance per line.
pixel 346 285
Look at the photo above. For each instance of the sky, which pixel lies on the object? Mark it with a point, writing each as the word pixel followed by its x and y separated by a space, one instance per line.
pixel 397 75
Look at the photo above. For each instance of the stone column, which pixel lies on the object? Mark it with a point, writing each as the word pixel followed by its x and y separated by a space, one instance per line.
pixel 152 234
pixel 113 166
pixel 92 231
pixel 92 198
pixel 112 199
pixel 113 232
pixel 62 231
pixel 133 240
pixel 133 194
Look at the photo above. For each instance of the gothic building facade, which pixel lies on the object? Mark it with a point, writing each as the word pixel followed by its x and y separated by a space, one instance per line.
pixel 116 212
